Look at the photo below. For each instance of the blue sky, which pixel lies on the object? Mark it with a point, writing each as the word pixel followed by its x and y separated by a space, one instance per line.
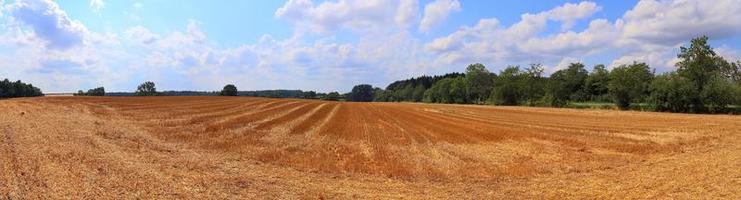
pixel 63 46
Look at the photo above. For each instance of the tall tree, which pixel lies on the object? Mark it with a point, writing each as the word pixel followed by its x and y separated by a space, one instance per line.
pixel 596 83
pixel 699 64
pixel 146 89
pixel 629 83
pixel 533 84
pixel 478 82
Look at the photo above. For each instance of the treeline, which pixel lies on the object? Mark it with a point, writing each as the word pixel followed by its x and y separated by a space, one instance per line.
pixel 703 83
pixel 100 91
pixel 9 89
pixel 149 89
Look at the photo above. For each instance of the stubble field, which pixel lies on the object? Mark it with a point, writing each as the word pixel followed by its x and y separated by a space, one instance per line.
pixel 242 147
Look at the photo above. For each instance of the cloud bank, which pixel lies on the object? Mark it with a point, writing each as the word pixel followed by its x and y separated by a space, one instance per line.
pixel 42 43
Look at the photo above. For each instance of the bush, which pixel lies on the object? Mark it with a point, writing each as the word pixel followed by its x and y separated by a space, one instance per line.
pixel 671 92
pixel 718 94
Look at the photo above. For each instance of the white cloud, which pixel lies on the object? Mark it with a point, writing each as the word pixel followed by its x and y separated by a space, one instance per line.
pixel 650 32
pixel 141 34
pixel 49 46
pixel 437 12
pixel 563 64
pixel 49 23
pixel 568 13
pixel 670 22
pixel 728 53
pixel 407 13
pixel 97 5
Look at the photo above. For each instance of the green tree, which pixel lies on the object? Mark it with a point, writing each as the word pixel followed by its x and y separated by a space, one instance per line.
pixel 332 96
pixel 671 92
pixel 361 93
pixel 10 89
pixel 507 87
pixel 566 84
pixel 732 71
pixel 478 82
pixel 309 95
pixel 419 93
pixel 596 84
pixel 533 84
pixel 99 91
pixel 629 83
pixel 229 90
pixel 699 64
pixel 718 93
pixel 440 91
pixel 457 93
pixel 146 89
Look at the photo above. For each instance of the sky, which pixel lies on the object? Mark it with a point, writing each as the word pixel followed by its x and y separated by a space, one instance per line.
pixel 70 45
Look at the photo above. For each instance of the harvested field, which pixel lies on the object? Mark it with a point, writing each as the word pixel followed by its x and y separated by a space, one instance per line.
pixel 241 147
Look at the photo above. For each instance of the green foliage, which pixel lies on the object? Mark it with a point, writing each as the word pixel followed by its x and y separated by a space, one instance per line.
pixel 629 83
pixel 671 92
pixel 478 82
pixel 229 90
pixel 418 93
pixel 309 95
pixel 533 85
pixel 100 91
pixel 10 89
pixel 508 87
pixel 439 92
pixel 361 93
pixel 458 88
pixel 381 95
pixel 732 71
pixel 699 64
pixel 596 84
pixel 409 89
pixel 146 89
pixel 332 96
pixel 718 94
pixel 566 84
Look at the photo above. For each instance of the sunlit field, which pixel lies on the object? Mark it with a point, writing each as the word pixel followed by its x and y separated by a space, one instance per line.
pixel 243 147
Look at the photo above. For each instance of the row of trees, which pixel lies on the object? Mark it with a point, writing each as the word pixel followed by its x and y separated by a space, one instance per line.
pixel 703 82
pixel 9 89
pixel 100 91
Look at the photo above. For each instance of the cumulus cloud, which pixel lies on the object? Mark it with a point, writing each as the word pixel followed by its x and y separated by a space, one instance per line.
pixel 650 32
pixel 62 54
pixel 49 23
pixel 97 5
pixel 436 12
pixel 568 13
pixel 669 22
pixel 407 13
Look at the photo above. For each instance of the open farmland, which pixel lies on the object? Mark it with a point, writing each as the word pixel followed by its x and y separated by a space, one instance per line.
pixel 222 147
